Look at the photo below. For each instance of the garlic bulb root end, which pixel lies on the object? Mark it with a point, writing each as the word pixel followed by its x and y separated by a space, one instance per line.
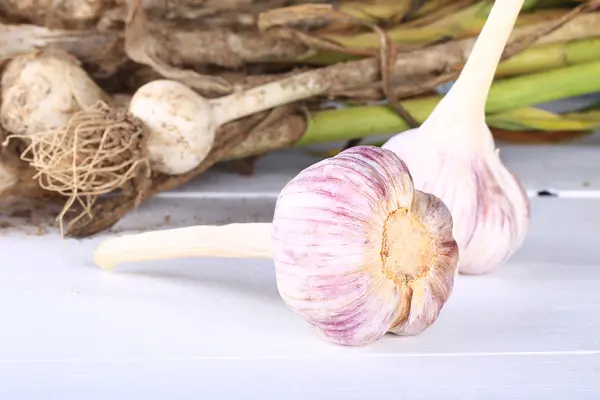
pixel 434 268
pixel 407 249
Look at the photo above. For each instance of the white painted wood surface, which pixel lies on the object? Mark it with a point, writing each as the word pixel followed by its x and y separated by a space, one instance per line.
pixel 217 329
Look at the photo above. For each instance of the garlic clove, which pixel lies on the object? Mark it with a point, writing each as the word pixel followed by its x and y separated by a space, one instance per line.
pixel 376 256
pixel 357 251
pixel 453 156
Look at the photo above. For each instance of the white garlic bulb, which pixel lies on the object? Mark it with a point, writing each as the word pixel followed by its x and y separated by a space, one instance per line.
pixel 43 90
pixel 357 251
pixel 453 156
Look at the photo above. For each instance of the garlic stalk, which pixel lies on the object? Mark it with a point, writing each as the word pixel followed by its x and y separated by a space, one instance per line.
pixel 357 251
pixel 183 124
pixel 43 90
pixel 453 156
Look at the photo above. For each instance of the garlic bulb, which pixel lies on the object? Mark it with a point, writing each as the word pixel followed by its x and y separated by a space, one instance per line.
pixel 183 124
pixel 453 156
pixel 357 251
pixel 43 90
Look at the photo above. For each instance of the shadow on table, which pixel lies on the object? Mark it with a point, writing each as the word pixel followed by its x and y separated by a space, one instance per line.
pixel 254 278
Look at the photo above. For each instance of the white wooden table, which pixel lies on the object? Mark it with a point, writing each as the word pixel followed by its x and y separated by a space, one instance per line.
pixel 217 329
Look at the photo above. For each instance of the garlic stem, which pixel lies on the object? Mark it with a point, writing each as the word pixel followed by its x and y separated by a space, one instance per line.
pixel 247 240
pixel 243 103
pixel 469 93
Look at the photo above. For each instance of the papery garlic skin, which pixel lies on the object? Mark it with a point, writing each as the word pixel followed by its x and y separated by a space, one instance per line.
pixel 489 206
pixel 358 252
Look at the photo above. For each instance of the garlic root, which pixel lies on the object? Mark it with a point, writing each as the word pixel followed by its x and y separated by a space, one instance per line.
pixel 452 155
pixel 98 151
pixel 357 251
pixel 233 240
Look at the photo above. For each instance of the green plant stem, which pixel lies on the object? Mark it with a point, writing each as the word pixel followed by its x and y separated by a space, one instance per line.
pixel 512 93
pixel 534 59
pixel 555 55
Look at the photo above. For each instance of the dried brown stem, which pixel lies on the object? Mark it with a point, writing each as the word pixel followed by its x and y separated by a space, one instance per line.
pixel 215 13
pixel 102 52
pixel 214 6
pixel 286 131
pixel 148 46
pixel 67 14
pixel 228 49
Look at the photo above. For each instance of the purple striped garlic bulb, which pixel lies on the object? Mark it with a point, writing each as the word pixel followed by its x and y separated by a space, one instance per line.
pixel 358 252
pixel 453 156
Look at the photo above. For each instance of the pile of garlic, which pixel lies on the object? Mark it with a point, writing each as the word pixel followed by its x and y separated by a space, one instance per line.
pixel 363 243
pixel 43 91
